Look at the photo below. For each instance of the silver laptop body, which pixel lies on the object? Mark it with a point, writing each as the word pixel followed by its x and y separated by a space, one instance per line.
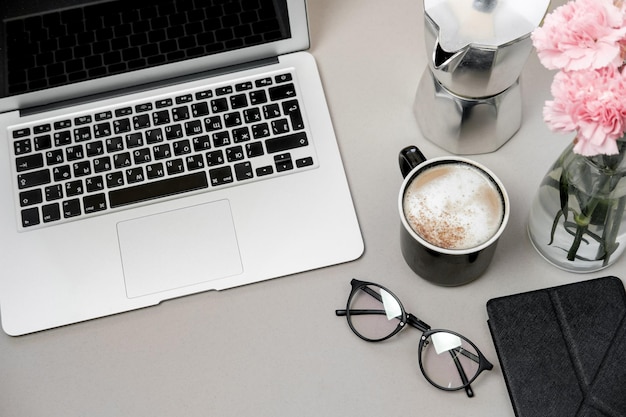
pixel 85 235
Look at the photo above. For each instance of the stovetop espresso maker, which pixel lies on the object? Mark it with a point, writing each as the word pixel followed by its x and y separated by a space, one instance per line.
pixel 469 97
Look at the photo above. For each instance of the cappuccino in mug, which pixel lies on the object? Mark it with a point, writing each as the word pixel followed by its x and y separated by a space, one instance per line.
pixel 453 205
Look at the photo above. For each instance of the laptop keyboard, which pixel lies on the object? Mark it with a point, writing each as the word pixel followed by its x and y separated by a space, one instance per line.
pixel 193 141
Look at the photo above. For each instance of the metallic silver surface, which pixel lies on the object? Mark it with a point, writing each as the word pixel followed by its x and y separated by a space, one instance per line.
pixel 476 50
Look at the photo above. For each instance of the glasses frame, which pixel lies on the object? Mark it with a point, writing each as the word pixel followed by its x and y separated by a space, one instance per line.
pixel 427 332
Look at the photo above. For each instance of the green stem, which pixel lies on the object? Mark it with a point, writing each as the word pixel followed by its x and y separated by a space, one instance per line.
pixel 611 231
pixel 581 229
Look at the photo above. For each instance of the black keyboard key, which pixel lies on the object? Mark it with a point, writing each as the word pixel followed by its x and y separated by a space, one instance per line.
pixel 282 78
pixel 134 140
pixel 162 151
pixel 220 176
pixel 115 179
pixel 105 115
pixel 263 82
pixel 232 119
pixel 193 128
pixel 215 158
pixel 234 154
pixel 63 124
pixel 94 148
pixel 62 138
pixel 182 147
pixel 258 97
pixel 140 108
pixel 219 105
pixel 142 121
pixel 254 149
pixel 283 162
pixel 82 134
pixel 154 171
pixel 280 126
pixel 271 111
pixel 123 112
pixel 292 109
pixel 194 162
pixel 81 168
pixel 71 208
pixel 175 166
pixel 30 197
pixel 32 179
pixel 73 153
pixel 304 162
pixel 94 184
pixel 160 117
pixel 284 143
pixel 28 162
pixel 154 136
pixel 114 144
pixel 82 120
pixel 223 90
pixel 266 170
pixel 30 217
pixel 62 173
pixel 51 213
pixel 94 203
pixel 184 99
pixel 238 101
pixel 199 109
pixel 134 175
pixel 157 189
pixel 102 130
pixel 21 133
pixel 243 171
pixel 282 92
pixel 122 160
pixel 54 192
pixel 164 103
pixel 203 95
pixel 42 129
pixel 243 86
pixel 22 146
pixel 43 142
pixel 174 132
pixel 121 126
pixel 180 113
pixel 142 156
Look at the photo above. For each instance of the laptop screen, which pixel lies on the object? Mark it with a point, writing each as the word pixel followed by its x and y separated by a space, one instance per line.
pixel 60 47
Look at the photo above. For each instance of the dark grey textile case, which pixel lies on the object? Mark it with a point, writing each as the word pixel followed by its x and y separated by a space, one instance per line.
pixel 562 350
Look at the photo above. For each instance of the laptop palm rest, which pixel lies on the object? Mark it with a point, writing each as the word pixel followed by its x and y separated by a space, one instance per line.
pixel 179 248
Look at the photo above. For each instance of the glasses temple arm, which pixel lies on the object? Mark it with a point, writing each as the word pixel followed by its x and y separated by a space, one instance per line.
pixel 463 375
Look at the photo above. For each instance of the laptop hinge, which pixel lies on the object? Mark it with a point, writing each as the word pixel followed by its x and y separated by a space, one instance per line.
pixel 148 86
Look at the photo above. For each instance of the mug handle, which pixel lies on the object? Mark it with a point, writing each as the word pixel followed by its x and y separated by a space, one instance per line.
pixel 409 158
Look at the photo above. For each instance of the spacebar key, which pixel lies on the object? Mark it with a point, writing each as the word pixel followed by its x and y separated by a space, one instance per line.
pixel 157 189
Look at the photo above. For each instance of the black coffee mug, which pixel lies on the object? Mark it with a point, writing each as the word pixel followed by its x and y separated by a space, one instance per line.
pixel 438 264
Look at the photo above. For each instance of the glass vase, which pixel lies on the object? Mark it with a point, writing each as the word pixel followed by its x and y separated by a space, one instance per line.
pixel 577 221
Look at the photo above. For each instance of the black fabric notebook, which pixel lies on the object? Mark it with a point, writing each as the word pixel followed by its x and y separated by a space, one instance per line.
pixel 562 350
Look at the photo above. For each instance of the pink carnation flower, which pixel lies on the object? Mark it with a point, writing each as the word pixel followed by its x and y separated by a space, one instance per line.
pixel 582 34
pixel 593 103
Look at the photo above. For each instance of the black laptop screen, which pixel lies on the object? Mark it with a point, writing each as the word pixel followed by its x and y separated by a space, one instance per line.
pixel 62 47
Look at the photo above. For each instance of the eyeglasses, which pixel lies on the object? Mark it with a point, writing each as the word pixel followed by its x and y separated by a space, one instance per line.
pixel 448 360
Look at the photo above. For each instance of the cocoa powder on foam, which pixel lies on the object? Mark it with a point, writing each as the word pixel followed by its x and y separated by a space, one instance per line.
pixel 453 206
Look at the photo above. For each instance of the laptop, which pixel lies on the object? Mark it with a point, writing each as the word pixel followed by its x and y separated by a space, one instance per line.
pixel 156 149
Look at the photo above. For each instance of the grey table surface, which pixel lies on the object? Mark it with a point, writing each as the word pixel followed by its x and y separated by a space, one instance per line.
pixel 276 348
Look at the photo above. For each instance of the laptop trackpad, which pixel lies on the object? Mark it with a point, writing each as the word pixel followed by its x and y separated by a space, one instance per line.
pixel 178 248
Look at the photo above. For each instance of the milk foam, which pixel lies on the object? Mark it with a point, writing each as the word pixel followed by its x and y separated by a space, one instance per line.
pixel 453 206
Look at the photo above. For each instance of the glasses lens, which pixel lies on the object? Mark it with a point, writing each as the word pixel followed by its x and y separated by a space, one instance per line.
pixel 448 360
pixel 374 313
